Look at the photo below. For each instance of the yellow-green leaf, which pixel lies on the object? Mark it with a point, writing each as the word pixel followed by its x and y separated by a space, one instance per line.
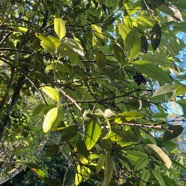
pixel 123 30
pixel 51 92
pixel 59 27
pixel 92 133
pixel 50 119
pixel 97 31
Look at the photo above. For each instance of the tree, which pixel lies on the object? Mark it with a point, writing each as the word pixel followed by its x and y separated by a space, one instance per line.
pixel 99 77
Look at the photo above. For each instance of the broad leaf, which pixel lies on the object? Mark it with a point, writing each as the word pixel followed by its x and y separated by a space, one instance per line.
pixel 97 31
pixel 59 27
pixel 123 30
pixel 100 163
pixel 152 71
pixel 141 163
pixel 50 119
pixel 180 89
pixel 51 92
pixel 100 59
pixel 92 133
pixel 172 132
pixel 133 43
pixel 159 152
pixel 163 93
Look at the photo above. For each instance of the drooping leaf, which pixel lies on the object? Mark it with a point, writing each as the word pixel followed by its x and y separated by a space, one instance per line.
pixel 100 163
pixel 180 89
pixel 50 119
pixel 172 132
pixel 59 27
pixel 51 92
pixel 92 133
pixel 108 172
pixel 152 71
pixel 144 44
pixel 133 43
pixel 156 36
pixel 159 152
pixel 158 177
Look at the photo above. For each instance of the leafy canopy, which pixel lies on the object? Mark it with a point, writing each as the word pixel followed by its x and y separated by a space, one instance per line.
pixel 94 80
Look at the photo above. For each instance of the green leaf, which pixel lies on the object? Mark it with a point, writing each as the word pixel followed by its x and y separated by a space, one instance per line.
pixel 180 89
pixel 92 133
pixel 152 71
pixel 161 155
pixel 52 150
pixel 133 43
pixel 51 92
pixel 144 44
pixel 119 53
pixel 172 132
pixel 156 36
pixel 141 163
pixel 50 119
pixel 158 178
pixel 108 172
pixel 97 31
pixel 100 59
pixel 68 133
pixel 100 163
pixel 38 109
pixel 83 173
pixel 183 105
pixel 59 28
pixel 74 45
pixel 163 93
pixel 47 44
pixel 144 177
pixel 123 30
pixel 157 59
pixel 128 116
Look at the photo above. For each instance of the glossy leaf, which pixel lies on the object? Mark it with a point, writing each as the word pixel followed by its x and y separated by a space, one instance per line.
pixel 172 132
pixel 50 119
pixel 152 71
pixel 92 133
pixel 59 27
pixel 164 157
pixel 51 92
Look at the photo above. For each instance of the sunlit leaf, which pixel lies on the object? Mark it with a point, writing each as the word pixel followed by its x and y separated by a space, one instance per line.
pixel 97 31
pixel 123 30
pixel 50 119
pixel 51 92
pixel 133 43
pixel 59 27
pixel 92 133
pixel 159 152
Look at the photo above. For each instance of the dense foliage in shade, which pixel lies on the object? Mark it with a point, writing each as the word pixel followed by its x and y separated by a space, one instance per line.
pixel 93 82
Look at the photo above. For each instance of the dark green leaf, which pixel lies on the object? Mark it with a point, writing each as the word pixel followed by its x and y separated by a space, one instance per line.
pixel 156 36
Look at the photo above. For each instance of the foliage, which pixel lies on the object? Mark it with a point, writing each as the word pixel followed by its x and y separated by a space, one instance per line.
pixel 93 81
